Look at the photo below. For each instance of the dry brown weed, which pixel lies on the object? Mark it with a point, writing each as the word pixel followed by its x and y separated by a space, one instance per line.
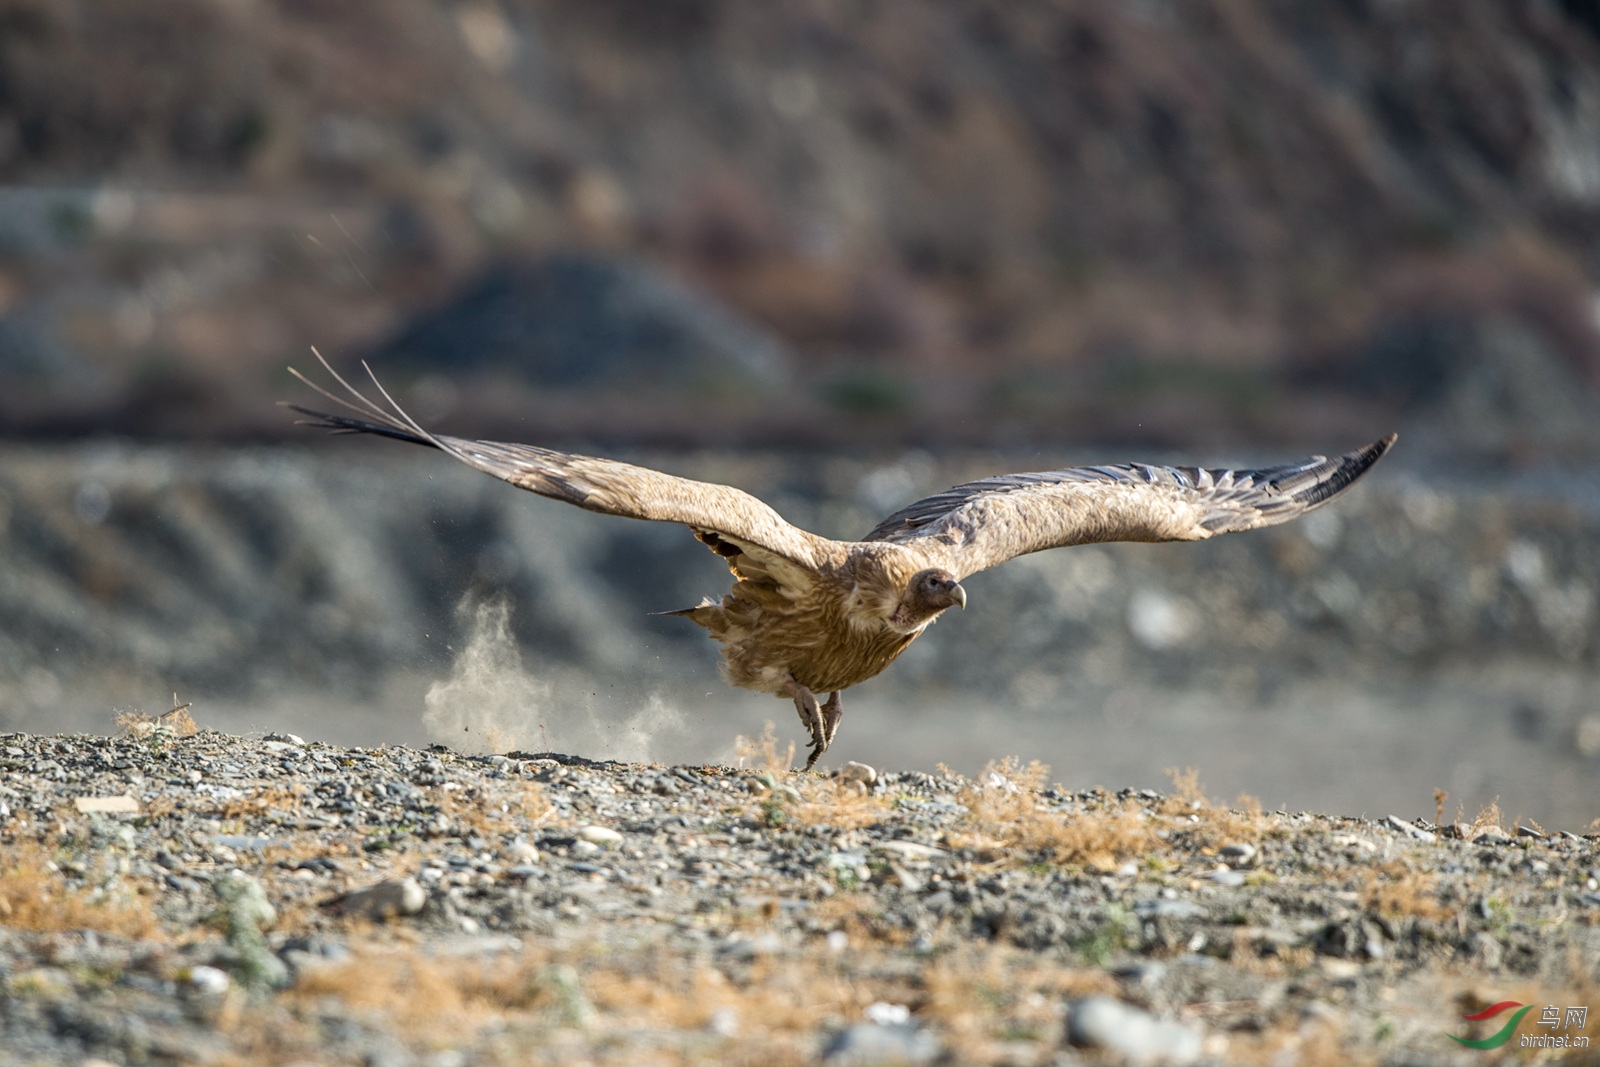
pixel 1005 816
pixel 1396 890
pixel 35 896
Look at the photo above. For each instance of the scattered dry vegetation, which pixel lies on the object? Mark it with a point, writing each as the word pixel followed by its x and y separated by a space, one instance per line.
pixel 980 997
pixel 1397 890
pixel 175 722
pixel 1005 814
pixel 35 895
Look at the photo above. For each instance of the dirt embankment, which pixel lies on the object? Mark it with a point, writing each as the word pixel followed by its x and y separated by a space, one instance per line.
pixel 176 899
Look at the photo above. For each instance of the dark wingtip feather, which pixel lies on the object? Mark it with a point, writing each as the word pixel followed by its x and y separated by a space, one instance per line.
pixel 1352 465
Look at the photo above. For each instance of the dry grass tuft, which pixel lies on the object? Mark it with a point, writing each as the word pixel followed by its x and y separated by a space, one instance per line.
pixel 141 725
pixel 844 805
pixel 35 896
pixel 1005 815
pixel 1489 816
pixel 1210 825
pixel 1396 891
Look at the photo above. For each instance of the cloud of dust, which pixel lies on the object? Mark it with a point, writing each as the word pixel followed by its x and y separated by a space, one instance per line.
pixel 636 740
pixel 490 702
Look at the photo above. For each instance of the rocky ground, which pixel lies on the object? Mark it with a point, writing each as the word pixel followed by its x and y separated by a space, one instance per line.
pixel 173 897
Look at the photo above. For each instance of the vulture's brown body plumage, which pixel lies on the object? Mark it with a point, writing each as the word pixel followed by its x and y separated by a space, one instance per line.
pixel 808 615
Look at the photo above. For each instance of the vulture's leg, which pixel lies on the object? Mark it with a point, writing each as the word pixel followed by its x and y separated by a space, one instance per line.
pixel 805 702
pixel 832 712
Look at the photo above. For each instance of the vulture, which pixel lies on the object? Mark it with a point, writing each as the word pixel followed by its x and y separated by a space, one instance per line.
pixel 809 617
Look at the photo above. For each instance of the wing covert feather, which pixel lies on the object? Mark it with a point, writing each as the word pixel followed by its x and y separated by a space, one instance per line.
pixel 971 527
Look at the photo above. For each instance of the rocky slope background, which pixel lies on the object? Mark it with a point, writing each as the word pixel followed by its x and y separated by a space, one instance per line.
pixel 1419 634
pixel 821 223
pixel 172 897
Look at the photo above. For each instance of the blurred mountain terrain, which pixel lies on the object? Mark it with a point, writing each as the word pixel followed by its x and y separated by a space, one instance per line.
pixel 1414 635
pixel 980 222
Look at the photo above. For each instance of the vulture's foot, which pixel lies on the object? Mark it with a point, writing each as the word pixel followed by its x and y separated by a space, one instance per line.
pixel 811 717
pixel 832 712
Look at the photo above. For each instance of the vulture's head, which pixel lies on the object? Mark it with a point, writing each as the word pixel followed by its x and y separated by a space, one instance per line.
pixel 930 592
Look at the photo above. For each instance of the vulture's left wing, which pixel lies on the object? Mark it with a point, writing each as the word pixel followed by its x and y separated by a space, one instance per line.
pixel 974 526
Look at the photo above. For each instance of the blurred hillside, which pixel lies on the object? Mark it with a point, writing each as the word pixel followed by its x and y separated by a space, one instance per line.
pixel 700 222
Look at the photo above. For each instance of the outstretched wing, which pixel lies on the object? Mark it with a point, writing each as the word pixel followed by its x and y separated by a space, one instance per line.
pixel 977 525
pixel 755 539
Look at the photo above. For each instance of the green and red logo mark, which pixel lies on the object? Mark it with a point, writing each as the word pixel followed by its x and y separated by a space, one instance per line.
pixel 1490 1012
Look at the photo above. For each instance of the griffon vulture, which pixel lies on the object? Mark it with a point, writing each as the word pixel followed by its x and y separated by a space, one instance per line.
pixel 810 616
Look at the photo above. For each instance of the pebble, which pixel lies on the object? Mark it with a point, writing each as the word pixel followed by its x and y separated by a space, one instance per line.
pixel 385 900
pixel 1226 876
pixel 1168 909
pixel 118 805
pixel 911 851
pixel 1238 855
pixel 857 772
pixel 871 1044
pixel 1409 829
pixel 520 851
pixel 1140 1038
pixel 209 981
pixel 603 836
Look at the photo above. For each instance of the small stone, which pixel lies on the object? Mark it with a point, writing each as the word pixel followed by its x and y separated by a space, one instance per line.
pixel 908 881
pixel 857 772
pixel 520 851
pixel 749 948
pixel 120 805
pixel 1168 909
pixel 872 1043
pixel 1339 970
pixel 724 1022
pixel 1410 830
pixel 1528 831
pixel 912 851
pixel 1137 1036
pixel 1146 974
pixel 1238 855
pixel 1227 877
pixel 1491 835
pixel 603 836
pixel 403 896
pixel 209 981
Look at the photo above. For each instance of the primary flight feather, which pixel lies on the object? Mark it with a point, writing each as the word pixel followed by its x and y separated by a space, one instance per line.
pixel 808 615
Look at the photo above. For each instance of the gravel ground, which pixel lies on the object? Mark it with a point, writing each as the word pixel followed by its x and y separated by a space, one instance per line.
pixel 216 899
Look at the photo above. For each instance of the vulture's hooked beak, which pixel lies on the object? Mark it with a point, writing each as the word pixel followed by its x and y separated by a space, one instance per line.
pixel 959 595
